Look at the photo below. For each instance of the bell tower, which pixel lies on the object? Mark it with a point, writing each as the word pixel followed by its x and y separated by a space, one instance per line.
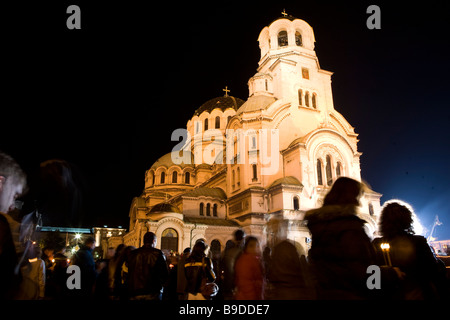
pixel 289 68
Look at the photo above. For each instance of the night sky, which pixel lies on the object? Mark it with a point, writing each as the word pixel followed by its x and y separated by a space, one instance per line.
pixel 105 99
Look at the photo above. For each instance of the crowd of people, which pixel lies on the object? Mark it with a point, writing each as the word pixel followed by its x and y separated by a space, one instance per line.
pixel 336 266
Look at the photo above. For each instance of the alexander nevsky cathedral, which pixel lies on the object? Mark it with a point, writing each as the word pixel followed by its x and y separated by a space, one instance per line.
pixel 242 163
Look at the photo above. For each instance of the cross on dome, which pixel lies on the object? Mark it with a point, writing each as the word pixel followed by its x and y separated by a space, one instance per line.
pixel 284 13
pixel 226 91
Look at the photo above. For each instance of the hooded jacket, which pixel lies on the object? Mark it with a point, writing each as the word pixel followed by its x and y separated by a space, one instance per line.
pixel 340 252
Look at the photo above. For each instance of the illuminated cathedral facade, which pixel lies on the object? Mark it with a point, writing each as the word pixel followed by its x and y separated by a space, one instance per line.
pixel 293 147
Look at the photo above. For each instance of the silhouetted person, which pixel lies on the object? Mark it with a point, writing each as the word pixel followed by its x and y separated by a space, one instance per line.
pixel 56 284
pixel 341 251
pixel 84 259
pixel 424 273
pixel 12 184
pixel 197 268
pixel 147 271
pixel 122 287
pixel 287 273
pixel 114 272
pixel 32 286
pixel 249 273
pixel 228 261
pixel 181 276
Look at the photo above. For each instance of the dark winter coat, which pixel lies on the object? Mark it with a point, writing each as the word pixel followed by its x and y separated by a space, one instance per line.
pixel 340 252
pixel 424 272
pixel 147 271
pixel 195 270
pixel 85 260
pixel 288 274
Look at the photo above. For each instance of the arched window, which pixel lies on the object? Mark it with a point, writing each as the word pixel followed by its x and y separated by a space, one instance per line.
pixel 201 208
pixel 206 124
pixel 174 177
pixel 319 172
pixel 300 97
pixel 163 177
pixel 307 98
pixel 187 178
pixel 314 101
pixel 282 38
pixel 233 179
pixel 338 169
pixel 208 209
pixel 371 209
pixel 328 171
pixel 153 179
pixel 215 210
pixel 228 119
pixel 296 203
pixel 298 39
pixel 217 126
pixel 266 84
pixel 238 177
pixel 197 126
pixel 255 172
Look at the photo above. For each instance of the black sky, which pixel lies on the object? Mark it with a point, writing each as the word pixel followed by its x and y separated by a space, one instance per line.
pixel 106 98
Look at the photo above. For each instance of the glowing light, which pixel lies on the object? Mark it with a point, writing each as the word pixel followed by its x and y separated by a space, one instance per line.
pixel 78 236
pixel 385 246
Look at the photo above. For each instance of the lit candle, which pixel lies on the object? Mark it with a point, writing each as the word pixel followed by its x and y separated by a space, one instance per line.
pixel 385 248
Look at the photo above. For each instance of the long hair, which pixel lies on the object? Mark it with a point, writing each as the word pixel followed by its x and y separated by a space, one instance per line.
pixel 345 191
pixel 198 252
pixel 396 219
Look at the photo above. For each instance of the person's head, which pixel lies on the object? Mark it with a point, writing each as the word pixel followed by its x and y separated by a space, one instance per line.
pixel 150 239
pixel 198 251
pixel 187 251
pixel 396 219
pixel 252 245
pixel 239 235
pixel 12 182
pixel 90 242
pixel 345 191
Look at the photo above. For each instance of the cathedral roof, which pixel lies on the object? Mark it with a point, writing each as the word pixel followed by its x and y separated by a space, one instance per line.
pixel 212 221
pixel 255 103
pixel 222 103
pixel 289 180
pixel 164 207
pixel 207 192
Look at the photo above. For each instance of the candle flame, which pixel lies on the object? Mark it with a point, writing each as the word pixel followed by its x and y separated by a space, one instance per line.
pixel 385 246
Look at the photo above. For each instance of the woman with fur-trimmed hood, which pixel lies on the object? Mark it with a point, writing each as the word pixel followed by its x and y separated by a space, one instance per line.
pixel 341 250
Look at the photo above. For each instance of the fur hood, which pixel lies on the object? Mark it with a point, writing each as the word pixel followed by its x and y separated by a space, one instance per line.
pixel 331 212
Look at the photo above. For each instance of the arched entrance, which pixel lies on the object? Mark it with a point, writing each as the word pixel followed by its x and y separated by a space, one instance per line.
pixel 169 240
